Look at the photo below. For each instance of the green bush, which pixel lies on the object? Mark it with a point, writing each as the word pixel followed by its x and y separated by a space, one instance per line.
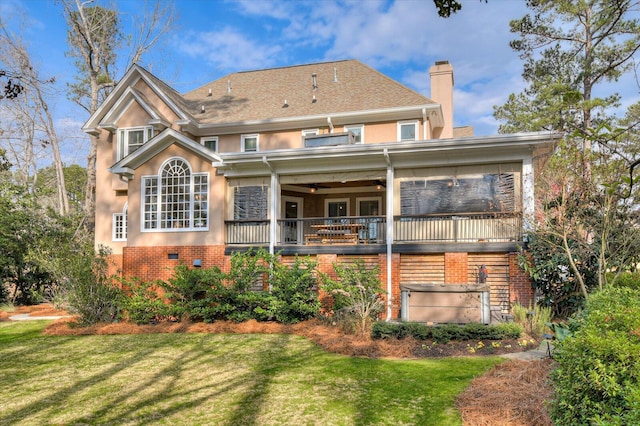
pixel 628 279
pixel 88 290
pixel 445 333
pixel 294 291
pixel 598 376
pixel 142 303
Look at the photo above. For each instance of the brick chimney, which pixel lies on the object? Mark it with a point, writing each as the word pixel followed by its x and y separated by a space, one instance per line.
pixel 442 92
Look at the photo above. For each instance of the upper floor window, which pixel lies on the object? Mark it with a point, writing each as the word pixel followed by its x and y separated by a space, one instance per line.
pixel 357 130
pixel 176 199
pixel 407 130
pixel 211 143
pixel 249 143
pixel 132 138
pixel 119 226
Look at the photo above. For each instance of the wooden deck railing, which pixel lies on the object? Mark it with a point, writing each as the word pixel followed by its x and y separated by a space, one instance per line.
pixel 459 228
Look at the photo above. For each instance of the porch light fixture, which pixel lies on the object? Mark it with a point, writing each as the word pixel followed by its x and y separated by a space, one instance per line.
pixel 313 188
pixel 380 184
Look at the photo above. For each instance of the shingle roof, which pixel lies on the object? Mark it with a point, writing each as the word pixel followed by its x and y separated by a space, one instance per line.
pixel 260 95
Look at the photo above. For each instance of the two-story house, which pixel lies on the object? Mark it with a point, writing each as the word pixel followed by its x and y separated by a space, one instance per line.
pixel 332 160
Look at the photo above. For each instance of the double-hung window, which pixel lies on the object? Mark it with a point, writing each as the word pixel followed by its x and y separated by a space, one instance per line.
pixel 407 130
pixel 131 139
pixel 249 143
pixel 176 199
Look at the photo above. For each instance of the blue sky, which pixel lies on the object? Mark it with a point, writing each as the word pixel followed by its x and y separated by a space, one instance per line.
pixel 401 39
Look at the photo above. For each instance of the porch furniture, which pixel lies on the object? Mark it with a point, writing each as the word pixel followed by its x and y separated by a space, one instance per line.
pixel 334 233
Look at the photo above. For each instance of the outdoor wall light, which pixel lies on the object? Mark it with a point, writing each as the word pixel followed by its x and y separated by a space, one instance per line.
pixel 313 188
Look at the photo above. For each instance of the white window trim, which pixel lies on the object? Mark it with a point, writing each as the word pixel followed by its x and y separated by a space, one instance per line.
pixel 158 202
pixel 310 132
pixel 353 126
pixel 147 132
pixel 203 142
pixel 327 201
pixel 244 137
pixel 402 123
pixel 359 199
pixel 123 215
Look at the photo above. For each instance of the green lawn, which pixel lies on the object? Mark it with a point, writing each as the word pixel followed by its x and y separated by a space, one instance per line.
pixel 204 379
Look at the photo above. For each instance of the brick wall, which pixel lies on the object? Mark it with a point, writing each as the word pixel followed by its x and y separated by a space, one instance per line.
pixel 456 268
pixel 151 263
pixel 520 284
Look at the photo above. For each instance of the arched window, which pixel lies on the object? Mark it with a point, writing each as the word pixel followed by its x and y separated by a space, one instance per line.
pixel 176 199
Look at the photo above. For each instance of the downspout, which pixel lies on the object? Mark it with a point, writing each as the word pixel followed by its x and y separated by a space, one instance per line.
pixel 330 124
pixel 390 203
pixel 424 124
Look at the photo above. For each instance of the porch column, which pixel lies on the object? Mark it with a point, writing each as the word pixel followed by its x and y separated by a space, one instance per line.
pixel 390 203
pixel 528 200
pixel 273 212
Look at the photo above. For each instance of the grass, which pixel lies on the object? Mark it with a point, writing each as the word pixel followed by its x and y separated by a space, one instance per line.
pixel 209 379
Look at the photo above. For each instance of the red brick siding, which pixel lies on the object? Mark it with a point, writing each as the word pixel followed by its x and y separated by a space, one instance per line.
pixel 520 284
pixel 456 269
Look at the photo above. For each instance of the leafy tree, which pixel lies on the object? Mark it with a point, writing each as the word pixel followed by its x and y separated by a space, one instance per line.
pixel 585 226
pixel 446 8
pixel 570 48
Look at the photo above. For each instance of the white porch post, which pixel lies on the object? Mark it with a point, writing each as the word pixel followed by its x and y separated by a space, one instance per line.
pixel 390 202
pixel 273 213
pixel 528 200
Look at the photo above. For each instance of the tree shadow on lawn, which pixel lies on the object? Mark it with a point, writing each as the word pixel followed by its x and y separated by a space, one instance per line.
pixel 171 398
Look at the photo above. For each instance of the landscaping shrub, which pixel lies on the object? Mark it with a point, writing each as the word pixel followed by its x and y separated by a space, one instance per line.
pixel 357 295
pixel 88 290
pixel 294 291
pixel 598 376
pixel 445 333
pixel 189 290
pixel 533 320
pixel 628 279
pixel 142 303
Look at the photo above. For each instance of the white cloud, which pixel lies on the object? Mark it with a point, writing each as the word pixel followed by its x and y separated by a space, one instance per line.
pixel 229 49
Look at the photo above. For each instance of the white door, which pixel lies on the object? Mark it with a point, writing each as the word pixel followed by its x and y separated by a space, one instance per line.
pixel 291 229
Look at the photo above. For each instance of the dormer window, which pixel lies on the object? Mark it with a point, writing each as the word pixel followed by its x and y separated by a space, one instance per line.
pixel 132 138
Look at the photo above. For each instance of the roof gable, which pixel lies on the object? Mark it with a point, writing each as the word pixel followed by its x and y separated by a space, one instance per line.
pixel 124 92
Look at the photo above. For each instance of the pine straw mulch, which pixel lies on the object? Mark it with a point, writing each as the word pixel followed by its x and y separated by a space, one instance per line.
pixel 513 393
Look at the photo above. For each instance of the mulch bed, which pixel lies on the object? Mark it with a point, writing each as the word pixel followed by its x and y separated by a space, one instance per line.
pixel 512 393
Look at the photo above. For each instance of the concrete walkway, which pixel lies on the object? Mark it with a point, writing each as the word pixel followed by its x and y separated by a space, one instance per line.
pixel 27 317
pixel 543 351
